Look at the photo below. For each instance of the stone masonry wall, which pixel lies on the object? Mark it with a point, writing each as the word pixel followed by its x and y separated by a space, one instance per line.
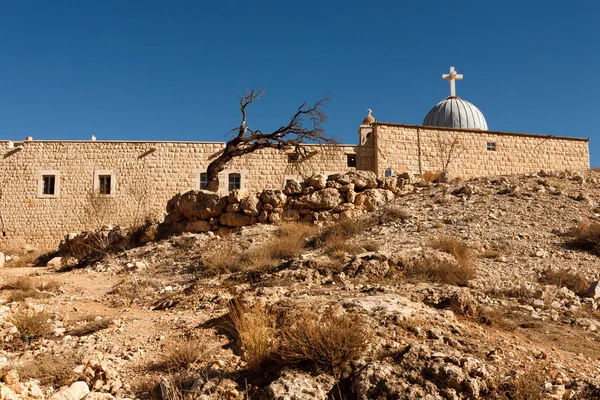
pixel 145 175
pixel 416 149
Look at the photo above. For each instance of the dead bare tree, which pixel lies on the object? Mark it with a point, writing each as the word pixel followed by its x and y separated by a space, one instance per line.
pixel 291 137
pixel 449 148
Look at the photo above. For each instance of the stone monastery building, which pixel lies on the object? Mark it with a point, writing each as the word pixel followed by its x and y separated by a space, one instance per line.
pixel 46 186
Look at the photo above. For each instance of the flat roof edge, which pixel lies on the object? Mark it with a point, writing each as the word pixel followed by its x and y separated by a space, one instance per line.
pixel 538 135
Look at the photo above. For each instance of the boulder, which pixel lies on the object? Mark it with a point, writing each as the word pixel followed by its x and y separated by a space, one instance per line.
pixel 11 377
pixel 251 205
pixel 324 199
pixel 77 391
pixel 55 262
pixel 293 186
pixel 299 385
pixel 7 394
pixel 594 290
pixel 318 181
pixel 234 219
pixel 273 199
pixel 201 204
pixel 371 199
pixel 235 197
pixel 360 179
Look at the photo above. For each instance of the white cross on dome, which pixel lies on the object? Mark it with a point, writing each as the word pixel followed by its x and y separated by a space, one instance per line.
pixel 451 77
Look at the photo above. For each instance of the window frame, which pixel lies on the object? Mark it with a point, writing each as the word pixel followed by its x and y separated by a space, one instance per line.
pixel 113 183
pixel 491 146
pixel 349 157
pixel 201 181
pixel 234 175
pixel 41 186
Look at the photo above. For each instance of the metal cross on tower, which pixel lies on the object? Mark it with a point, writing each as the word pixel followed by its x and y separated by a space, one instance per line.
pixel 451 77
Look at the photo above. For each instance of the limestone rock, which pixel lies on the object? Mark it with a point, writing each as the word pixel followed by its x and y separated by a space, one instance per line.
pixel 594 290
pixel 318 181
pixel 1 259
pixel 201 204
pixel 360 179
pixel 77 391
pixel 55 262
pixel 7 394
pixel 293 186
pixel 298 385
pixel 324 199
pixel 235 197
pixel 234 219
pixel 251 205
pixel 11 377
pixel 371 199
pixel 273 199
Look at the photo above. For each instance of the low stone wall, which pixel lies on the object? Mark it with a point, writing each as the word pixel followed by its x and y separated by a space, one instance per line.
pixel 316 199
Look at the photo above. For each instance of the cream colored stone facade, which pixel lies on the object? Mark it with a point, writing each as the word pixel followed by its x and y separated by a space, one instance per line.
pixel 420 149
pixel 143 176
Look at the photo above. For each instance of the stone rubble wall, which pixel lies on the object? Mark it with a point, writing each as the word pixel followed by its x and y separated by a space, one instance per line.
pixel 416 149
pixel 317 198
pixel 145 176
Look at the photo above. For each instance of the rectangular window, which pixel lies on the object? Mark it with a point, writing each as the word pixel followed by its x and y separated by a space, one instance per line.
pixel 235 181
pixel 104 182
pixel 491 146
pixel 351 160
pixel 49 182
pixel 203 180
pixel 293 158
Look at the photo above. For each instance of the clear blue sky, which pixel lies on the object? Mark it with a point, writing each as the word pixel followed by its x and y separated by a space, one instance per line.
pixel 172 70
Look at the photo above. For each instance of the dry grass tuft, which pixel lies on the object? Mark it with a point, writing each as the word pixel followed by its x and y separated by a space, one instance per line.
pixel 334 239
pixel 223 261
pixel 25 284
pixel 440 272
pixel 31 325
pixel 50 369
pixel 254 329
pixel 457 248
pixel 494 317
pixel 565 278
pixel 394 213
pixel 587 235
pixel 338 247
pixel 371 245
pixel 183 354
pixel 290 241
pixel 527 386
pixel 135 290
pixel 329 342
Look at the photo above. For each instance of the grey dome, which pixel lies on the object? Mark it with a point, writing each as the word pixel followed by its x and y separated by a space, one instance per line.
pixel 454 112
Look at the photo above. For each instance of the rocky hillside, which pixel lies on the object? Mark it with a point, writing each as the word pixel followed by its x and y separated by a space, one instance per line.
pixel 462 290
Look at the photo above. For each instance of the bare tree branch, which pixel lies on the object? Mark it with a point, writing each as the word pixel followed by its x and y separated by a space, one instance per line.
pixel 449 149
pixel 305 126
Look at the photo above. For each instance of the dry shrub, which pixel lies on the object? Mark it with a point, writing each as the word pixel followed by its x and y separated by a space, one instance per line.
pixel 22 295
pixel 494 317
pixel 135 289
pixel 371 245
pixel 587 235
pixel 497 252
pixel 345 229
pixel 440 271
pixel 457 248
pixel 31 325
pixel 22 259
pixel 50 369
pixel 292 238
pixel 90 327
pixel 183 354
pixel 223 261
pixel 393 213
pixel 253 328
pixel 527 386
pixel 521 293
pixel 563 277
pixel 49 286
pixel 338 247
pixel 329 342
pixel 25 284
